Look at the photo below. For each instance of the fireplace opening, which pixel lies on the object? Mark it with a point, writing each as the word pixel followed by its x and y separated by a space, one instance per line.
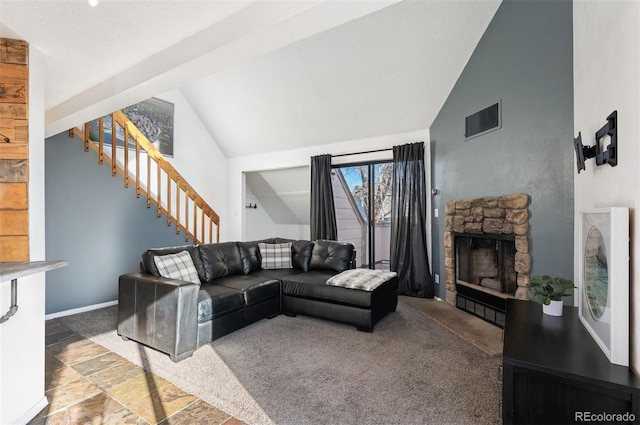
pixel 485 274
pixel 487 261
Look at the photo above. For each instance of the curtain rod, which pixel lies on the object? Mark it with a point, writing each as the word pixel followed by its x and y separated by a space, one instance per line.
pixel 360 153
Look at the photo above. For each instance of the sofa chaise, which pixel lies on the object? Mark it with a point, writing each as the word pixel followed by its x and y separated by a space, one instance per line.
pixel 214 289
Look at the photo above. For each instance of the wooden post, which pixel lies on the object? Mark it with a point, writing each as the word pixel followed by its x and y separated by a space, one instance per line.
pixel 137 166
pixel 101 141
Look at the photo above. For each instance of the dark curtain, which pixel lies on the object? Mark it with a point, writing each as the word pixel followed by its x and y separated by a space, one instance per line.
pixel 408 222
pixel 323 212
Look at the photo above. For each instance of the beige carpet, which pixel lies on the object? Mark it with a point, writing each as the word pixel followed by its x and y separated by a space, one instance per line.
pixel 301 370
pixel 472 329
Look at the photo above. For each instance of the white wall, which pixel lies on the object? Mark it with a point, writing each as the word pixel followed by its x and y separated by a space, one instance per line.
pixel 301 157
pixel 258 223
pixel 292 231
pixel 22 337
pixel 197 157
pixel 606 78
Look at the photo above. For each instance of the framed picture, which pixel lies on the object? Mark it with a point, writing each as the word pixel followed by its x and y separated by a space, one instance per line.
pixel 604 280
pixel 154 118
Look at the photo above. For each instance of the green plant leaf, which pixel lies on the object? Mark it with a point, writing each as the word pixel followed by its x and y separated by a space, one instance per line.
pixel 544 289
pixel 542 299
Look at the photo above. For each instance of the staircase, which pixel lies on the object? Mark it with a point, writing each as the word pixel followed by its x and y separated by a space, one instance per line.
pixel 153 176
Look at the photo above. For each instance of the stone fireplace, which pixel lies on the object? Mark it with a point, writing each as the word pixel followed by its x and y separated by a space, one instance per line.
pixel 487 257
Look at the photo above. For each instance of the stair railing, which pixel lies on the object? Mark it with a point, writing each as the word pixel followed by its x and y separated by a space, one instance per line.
pixel 154 177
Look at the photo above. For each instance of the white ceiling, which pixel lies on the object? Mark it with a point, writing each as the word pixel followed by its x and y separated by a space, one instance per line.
pixel 262 75
pixel 86 45
pixel 386 73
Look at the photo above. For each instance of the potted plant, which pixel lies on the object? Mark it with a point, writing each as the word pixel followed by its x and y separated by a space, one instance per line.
pixel 549 291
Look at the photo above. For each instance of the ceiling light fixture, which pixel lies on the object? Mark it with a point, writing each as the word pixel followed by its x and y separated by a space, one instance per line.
pixel 93 3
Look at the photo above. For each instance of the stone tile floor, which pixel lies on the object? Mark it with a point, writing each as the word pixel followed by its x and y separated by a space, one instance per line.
pixel 86 383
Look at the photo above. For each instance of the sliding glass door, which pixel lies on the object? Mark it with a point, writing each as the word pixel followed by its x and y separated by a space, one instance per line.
pixel 362 195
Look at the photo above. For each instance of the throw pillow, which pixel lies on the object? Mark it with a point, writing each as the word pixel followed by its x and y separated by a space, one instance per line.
pixel 250 256
pixel 301 254
pixel 275 255
pixel 220 260
pixel 177 266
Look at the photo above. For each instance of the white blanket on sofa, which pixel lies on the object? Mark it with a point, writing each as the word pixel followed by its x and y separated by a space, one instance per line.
pixel 363 279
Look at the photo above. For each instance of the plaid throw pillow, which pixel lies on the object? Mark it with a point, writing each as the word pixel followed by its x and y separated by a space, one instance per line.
pixel 275 255
pixel 177 266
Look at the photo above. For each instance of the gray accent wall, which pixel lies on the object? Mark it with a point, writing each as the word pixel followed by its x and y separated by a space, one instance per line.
pixel 96 224
pixel 524 60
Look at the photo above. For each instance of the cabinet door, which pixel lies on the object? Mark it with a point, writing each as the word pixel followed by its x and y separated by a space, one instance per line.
pixel 547 399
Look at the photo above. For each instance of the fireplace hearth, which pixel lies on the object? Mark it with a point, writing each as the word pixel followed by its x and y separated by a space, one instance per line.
pixel 487 257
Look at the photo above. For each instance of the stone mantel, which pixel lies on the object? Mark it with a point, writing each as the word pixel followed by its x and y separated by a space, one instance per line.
pixel 496 215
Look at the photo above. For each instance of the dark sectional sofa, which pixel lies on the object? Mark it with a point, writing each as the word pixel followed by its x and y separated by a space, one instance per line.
pixel 176 316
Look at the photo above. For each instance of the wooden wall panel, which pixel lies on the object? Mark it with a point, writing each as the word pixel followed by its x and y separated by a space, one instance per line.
pixel 14 222
pixel 14 170
pixel 11 70
pixel 14 51
pixel 20 131
pixel 13 110
pixel 14 248
pixel 14 151
pixel 13 196
pixel 13 90
pixel 17 130
pixel 14 156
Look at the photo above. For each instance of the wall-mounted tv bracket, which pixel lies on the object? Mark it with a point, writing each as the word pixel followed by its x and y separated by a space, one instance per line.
pixel 606 156
pixel 610 155
pixel 583 152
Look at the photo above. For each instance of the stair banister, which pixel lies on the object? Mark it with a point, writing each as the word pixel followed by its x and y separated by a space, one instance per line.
pixel 162 196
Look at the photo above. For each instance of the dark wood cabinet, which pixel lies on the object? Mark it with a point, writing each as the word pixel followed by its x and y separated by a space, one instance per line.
pixel 555 373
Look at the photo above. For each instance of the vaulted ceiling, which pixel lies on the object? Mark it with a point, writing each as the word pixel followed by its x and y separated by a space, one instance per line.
pixel 386 73
pixel 261 75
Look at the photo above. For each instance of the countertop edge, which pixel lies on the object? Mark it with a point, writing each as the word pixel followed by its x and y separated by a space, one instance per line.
pixel 11 271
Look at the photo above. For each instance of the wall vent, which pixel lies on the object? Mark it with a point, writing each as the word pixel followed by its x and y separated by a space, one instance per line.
pixel 482 122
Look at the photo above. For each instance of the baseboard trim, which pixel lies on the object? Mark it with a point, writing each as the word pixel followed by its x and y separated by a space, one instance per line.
pixel 33 412
pixel 79 310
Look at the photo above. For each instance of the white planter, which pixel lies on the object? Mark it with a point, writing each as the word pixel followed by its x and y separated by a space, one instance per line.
pixel 553 309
